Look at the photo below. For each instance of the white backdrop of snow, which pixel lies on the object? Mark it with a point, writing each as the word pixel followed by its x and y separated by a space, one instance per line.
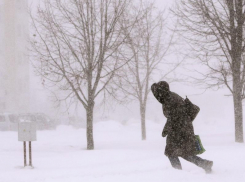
pixel 119 155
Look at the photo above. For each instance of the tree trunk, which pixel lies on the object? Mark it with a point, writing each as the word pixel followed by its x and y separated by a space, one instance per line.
pixel 236 53
pixel 90 113
pixel 237 99
pixel 142 115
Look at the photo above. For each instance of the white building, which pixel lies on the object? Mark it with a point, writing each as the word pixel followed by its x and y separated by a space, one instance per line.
pixel 14 59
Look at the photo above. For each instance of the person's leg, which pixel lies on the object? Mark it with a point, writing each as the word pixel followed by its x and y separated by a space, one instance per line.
pixel 175 162
pixel 205 164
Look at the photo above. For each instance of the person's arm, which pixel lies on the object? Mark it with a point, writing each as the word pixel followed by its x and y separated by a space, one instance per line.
pixel 165 129
pixel 166 113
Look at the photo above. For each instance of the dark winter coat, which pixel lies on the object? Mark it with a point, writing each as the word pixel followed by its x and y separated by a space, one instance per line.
pixel 178 129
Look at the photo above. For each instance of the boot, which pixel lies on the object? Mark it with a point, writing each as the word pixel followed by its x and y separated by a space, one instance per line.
pixel 207 166
pixel 175 162
pixel 179 167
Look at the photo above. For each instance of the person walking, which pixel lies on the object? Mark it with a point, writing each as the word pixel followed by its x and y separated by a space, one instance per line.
pixel 179 130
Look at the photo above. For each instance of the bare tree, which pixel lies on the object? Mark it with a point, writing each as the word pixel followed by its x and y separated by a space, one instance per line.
pixel 77 48
pixel 215 31
pixel 148 45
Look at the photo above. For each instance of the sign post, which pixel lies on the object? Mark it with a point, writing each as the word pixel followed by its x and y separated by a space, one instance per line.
pixel 30 160
pixel 24 154
pixel 27 132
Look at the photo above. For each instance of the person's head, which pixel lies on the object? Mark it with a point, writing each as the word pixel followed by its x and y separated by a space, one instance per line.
pixel 163 85
pixel 161 91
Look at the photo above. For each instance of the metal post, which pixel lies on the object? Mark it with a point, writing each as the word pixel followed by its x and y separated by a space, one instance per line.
pixel 24 144
pixel 30 160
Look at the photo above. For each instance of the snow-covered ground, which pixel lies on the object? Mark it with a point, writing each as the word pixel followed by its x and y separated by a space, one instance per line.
pixel 120 155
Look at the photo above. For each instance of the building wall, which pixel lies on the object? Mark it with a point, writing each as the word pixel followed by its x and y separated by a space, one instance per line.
pixel 14 60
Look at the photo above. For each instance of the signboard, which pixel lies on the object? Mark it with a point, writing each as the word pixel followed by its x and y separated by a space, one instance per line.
pixel 27 131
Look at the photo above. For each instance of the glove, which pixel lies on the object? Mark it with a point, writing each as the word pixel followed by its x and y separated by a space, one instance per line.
pixel 164 133
pixel 165 129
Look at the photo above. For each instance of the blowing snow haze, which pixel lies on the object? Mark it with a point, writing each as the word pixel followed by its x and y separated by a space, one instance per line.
pixel 111 144
pixel 22 91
